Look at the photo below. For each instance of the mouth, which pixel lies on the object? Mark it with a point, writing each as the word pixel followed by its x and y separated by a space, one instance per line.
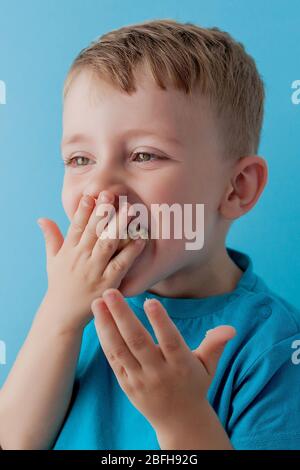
pixel 133 232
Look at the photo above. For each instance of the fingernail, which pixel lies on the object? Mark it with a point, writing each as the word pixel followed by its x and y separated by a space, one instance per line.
pixel 87 201
pixel 105 197
pixel 110 295
pixel 147 298
pixel 152 304
pixel 99 303
pixel 208 331
pixel 140 242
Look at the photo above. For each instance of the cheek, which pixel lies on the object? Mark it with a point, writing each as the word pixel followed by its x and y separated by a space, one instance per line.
pixel 169 257
pixel 70 200
pixel 180 186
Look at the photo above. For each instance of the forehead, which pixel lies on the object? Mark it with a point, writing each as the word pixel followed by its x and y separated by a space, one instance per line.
pixel 92 104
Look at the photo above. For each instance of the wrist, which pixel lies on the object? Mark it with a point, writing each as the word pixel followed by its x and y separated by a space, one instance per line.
pixel 199 429
pixel 56 316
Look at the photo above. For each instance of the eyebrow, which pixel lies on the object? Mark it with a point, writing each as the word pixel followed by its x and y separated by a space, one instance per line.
pixel 76 138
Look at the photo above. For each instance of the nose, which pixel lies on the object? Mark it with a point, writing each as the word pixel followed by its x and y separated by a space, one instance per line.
pixel 113 181
pixel 116 191
pixel 108 180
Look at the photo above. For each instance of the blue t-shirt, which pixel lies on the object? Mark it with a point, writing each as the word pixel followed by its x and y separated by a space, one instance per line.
pixel 256 389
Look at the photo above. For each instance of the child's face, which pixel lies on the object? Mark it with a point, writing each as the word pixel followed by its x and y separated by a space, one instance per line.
pixel 114 125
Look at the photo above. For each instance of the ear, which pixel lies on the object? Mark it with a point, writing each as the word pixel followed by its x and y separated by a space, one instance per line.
pixel 248 179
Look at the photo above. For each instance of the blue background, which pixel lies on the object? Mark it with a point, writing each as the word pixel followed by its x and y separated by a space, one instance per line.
pixel 38 41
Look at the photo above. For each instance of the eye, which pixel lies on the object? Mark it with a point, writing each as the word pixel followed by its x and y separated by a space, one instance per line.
pixel 145 155
pixel 77 161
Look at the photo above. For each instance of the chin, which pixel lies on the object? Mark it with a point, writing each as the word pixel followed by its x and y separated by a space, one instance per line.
pixel 132 286
pixel 129 289
pixel 138 278
pixel 133 283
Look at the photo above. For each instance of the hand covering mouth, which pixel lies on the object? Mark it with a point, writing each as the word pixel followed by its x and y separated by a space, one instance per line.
pixel 133 233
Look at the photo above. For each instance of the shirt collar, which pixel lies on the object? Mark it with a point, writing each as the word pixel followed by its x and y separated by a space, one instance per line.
pixel 177 307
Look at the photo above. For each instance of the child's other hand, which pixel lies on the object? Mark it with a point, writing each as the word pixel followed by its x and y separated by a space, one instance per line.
pixel 166 382
pixel 80 267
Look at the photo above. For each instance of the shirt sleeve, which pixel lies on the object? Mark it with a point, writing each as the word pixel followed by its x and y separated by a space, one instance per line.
pixel 265 413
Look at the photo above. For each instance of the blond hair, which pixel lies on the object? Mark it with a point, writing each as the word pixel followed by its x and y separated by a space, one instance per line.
pixel 187 57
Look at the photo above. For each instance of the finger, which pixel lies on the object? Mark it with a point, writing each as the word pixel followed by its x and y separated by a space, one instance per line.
pixel 133 332
pixel 52 236
pixel 106 247
pixel 113 345
pixel 98 220
pixel 118 266
pixel 80 219
pixel 172 344
pixel 106 242
pixel 118 224
pixel 211 348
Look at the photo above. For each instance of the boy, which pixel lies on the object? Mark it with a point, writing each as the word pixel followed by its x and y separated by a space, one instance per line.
pixel 191 98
